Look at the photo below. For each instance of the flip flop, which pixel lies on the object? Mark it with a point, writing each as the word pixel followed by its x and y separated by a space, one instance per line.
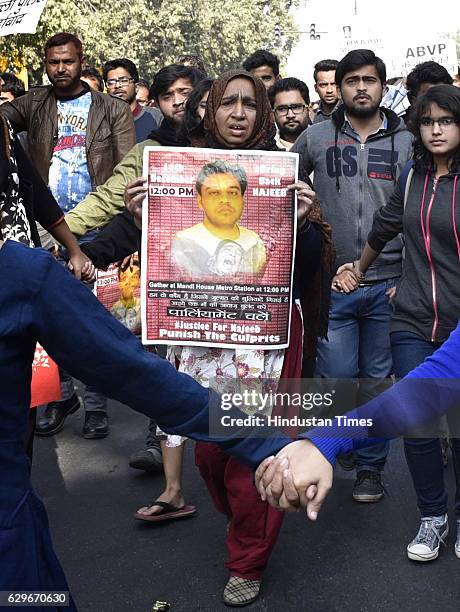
pixel 169 512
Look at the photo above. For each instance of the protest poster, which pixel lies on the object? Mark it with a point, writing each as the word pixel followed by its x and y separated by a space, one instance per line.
pixel 218 239
pixel 45 386
pixel 20 16
pixel 118 289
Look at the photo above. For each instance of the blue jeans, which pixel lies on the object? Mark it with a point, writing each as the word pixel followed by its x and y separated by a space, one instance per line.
pixel 358 346
pixel 423 454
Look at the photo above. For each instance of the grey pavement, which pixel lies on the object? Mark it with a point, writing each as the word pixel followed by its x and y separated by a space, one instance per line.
pixel 352 560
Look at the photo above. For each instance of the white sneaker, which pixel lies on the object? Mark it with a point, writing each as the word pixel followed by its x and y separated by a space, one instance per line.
pixel 425 546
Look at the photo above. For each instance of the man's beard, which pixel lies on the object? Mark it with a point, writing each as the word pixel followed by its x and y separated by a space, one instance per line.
pixel 130 99
pixel 362 112
pixel 291 132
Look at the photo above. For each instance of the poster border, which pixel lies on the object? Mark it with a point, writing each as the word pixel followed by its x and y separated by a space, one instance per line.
pixel 144 289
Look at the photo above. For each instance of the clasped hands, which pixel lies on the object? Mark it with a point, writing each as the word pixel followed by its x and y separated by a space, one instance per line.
pixel 347 278
pixel 299 477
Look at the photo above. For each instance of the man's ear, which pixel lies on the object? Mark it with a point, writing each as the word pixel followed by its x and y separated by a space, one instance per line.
pixel 199 201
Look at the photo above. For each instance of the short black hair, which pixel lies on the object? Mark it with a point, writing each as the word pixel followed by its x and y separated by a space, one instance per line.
pixel 426 72
pixel 168 75
pixel 143 83
pixel 288 84
pixel 121 62
pixel 261 57
pixel 192 59
pixel 95 74
pixel 324 65
pixel 357 59
pixel 63 38
pixel 222 166
pixel 12 84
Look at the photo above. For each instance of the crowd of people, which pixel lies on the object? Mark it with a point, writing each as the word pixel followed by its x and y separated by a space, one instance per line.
pixel 377 254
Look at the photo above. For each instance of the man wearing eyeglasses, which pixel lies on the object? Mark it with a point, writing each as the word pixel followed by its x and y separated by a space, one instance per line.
pixel 289 99
pixel 121 78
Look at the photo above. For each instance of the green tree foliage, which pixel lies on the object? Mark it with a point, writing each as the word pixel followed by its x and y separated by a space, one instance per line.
pixel 154 32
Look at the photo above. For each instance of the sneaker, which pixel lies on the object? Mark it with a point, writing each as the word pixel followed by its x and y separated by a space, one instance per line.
pixel 457 542
pixel 425 546
pixel 241 592
pixel 368 487
pixel 52 420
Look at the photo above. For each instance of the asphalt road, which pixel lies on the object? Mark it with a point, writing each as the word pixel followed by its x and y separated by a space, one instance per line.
pixel 353 559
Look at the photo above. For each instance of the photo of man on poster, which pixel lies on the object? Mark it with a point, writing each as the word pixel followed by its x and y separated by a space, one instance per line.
pixel 218 245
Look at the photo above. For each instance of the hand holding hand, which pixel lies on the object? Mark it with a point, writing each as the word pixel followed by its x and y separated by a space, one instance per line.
pixel 81 266
pixel 347 278
pixel 299 476
pixel 345 282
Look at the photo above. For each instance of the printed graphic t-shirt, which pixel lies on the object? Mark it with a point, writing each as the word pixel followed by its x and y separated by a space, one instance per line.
pixel 69 179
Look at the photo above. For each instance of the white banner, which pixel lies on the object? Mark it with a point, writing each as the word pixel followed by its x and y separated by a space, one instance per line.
pixel 408 54
pixel 403 54
pixel 20 16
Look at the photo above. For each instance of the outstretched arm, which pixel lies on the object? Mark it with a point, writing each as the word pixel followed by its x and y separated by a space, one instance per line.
pixel 305 475
pixel 82 336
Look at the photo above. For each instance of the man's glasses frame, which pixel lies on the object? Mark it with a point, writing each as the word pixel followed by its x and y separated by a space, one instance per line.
pixel 283 109
pixel 123 81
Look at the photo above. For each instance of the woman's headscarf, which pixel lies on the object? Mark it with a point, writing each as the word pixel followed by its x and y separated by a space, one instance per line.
pixel 263 135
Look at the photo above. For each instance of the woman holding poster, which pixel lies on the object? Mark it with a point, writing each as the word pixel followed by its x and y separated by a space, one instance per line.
pixel 238 116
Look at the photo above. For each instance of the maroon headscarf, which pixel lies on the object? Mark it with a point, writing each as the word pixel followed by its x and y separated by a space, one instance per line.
pixel 263 136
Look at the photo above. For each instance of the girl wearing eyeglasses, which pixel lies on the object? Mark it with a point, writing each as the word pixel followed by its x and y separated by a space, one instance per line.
pixel 425 208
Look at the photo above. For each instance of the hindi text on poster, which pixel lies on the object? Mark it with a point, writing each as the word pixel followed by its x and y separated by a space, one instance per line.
pixel 218 241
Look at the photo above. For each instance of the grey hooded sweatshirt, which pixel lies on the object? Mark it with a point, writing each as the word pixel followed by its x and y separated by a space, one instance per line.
pixel 427 301
pixel 353 180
